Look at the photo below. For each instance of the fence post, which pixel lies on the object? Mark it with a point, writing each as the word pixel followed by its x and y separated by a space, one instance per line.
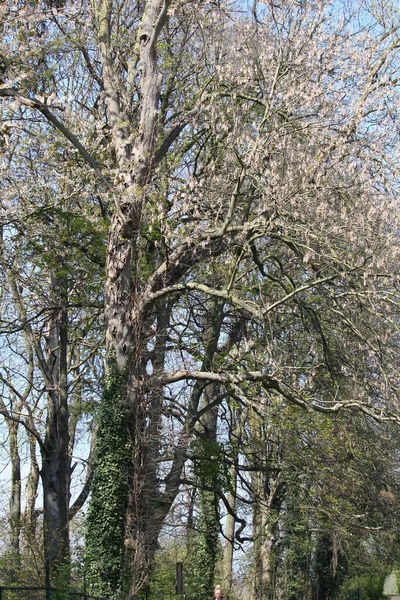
pixel 179 578
pixel 47 578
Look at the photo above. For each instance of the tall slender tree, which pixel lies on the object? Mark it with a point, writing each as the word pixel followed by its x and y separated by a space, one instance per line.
pixel 48 338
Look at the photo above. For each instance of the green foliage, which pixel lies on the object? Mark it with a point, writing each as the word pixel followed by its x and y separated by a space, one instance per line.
pixel 329 571
pixel 212 473
pixel 163 581
pixel 397 576
pixel 106 518
pixel 209 464
pixel 206 548
pixel 297 552
pixel 335 468
pixel 371 586
pixel 10 566
pixel 80 251
pixel 62 581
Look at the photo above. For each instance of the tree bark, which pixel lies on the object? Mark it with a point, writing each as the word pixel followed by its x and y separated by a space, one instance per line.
pixel 268 489
pixel 227 559
pixel 56 462
pixel 30 512
pixel 125 319
pixel 264 525
pixel 15 500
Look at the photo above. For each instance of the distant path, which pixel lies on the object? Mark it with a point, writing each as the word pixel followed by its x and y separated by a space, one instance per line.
pixel 390 587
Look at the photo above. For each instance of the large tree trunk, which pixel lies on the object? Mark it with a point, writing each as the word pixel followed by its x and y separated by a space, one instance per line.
pixel 238 420
pixel 268 490
pixel 56 462
pixel 147 507
pixel 15 501
pixel 31 489
pixel 206 546
pixel 227 559
pixel 54 526
pixel 125 401
pixel 265 519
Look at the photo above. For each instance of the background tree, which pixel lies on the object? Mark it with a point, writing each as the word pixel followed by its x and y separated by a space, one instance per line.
pixel 219 136
pixel 51 256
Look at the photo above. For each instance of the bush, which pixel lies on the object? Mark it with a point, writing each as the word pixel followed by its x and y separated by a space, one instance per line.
pixel 371 586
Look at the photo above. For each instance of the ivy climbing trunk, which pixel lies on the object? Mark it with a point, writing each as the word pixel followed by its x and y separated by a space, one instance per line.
pixel 119 510
pixel 106 561
pixel 264 524
pixel 268 490
pixel 147 507
pixel 206 543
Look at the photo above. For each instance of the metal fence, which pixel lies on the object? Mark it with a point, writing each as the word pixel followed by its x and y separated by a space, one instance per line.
pixel 45 592
pixel 16 592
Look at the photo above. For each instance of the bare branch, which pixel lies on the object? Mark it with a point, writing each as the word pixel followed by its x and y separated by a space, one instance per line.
pixel 46 112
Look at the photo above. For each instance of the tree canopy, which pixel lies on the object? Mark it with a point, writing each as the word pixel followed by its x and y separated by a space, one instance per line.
pixel 220 181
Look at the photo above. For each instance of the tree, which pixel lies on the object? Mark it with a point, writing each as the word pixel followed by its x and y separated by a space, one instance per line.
pixel 333 525
pixel 280 168
pixel 48 336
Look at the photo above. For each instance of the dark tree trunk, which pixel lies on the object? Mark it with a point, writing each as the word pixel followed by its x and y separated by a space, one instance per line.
pixel 30 513
pixel 56 462
pixel 268 490
pixel 15 501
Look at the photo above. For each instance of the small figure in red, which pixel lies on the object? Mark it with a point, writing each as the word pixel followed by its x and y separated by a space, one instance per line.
pixel 218 593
